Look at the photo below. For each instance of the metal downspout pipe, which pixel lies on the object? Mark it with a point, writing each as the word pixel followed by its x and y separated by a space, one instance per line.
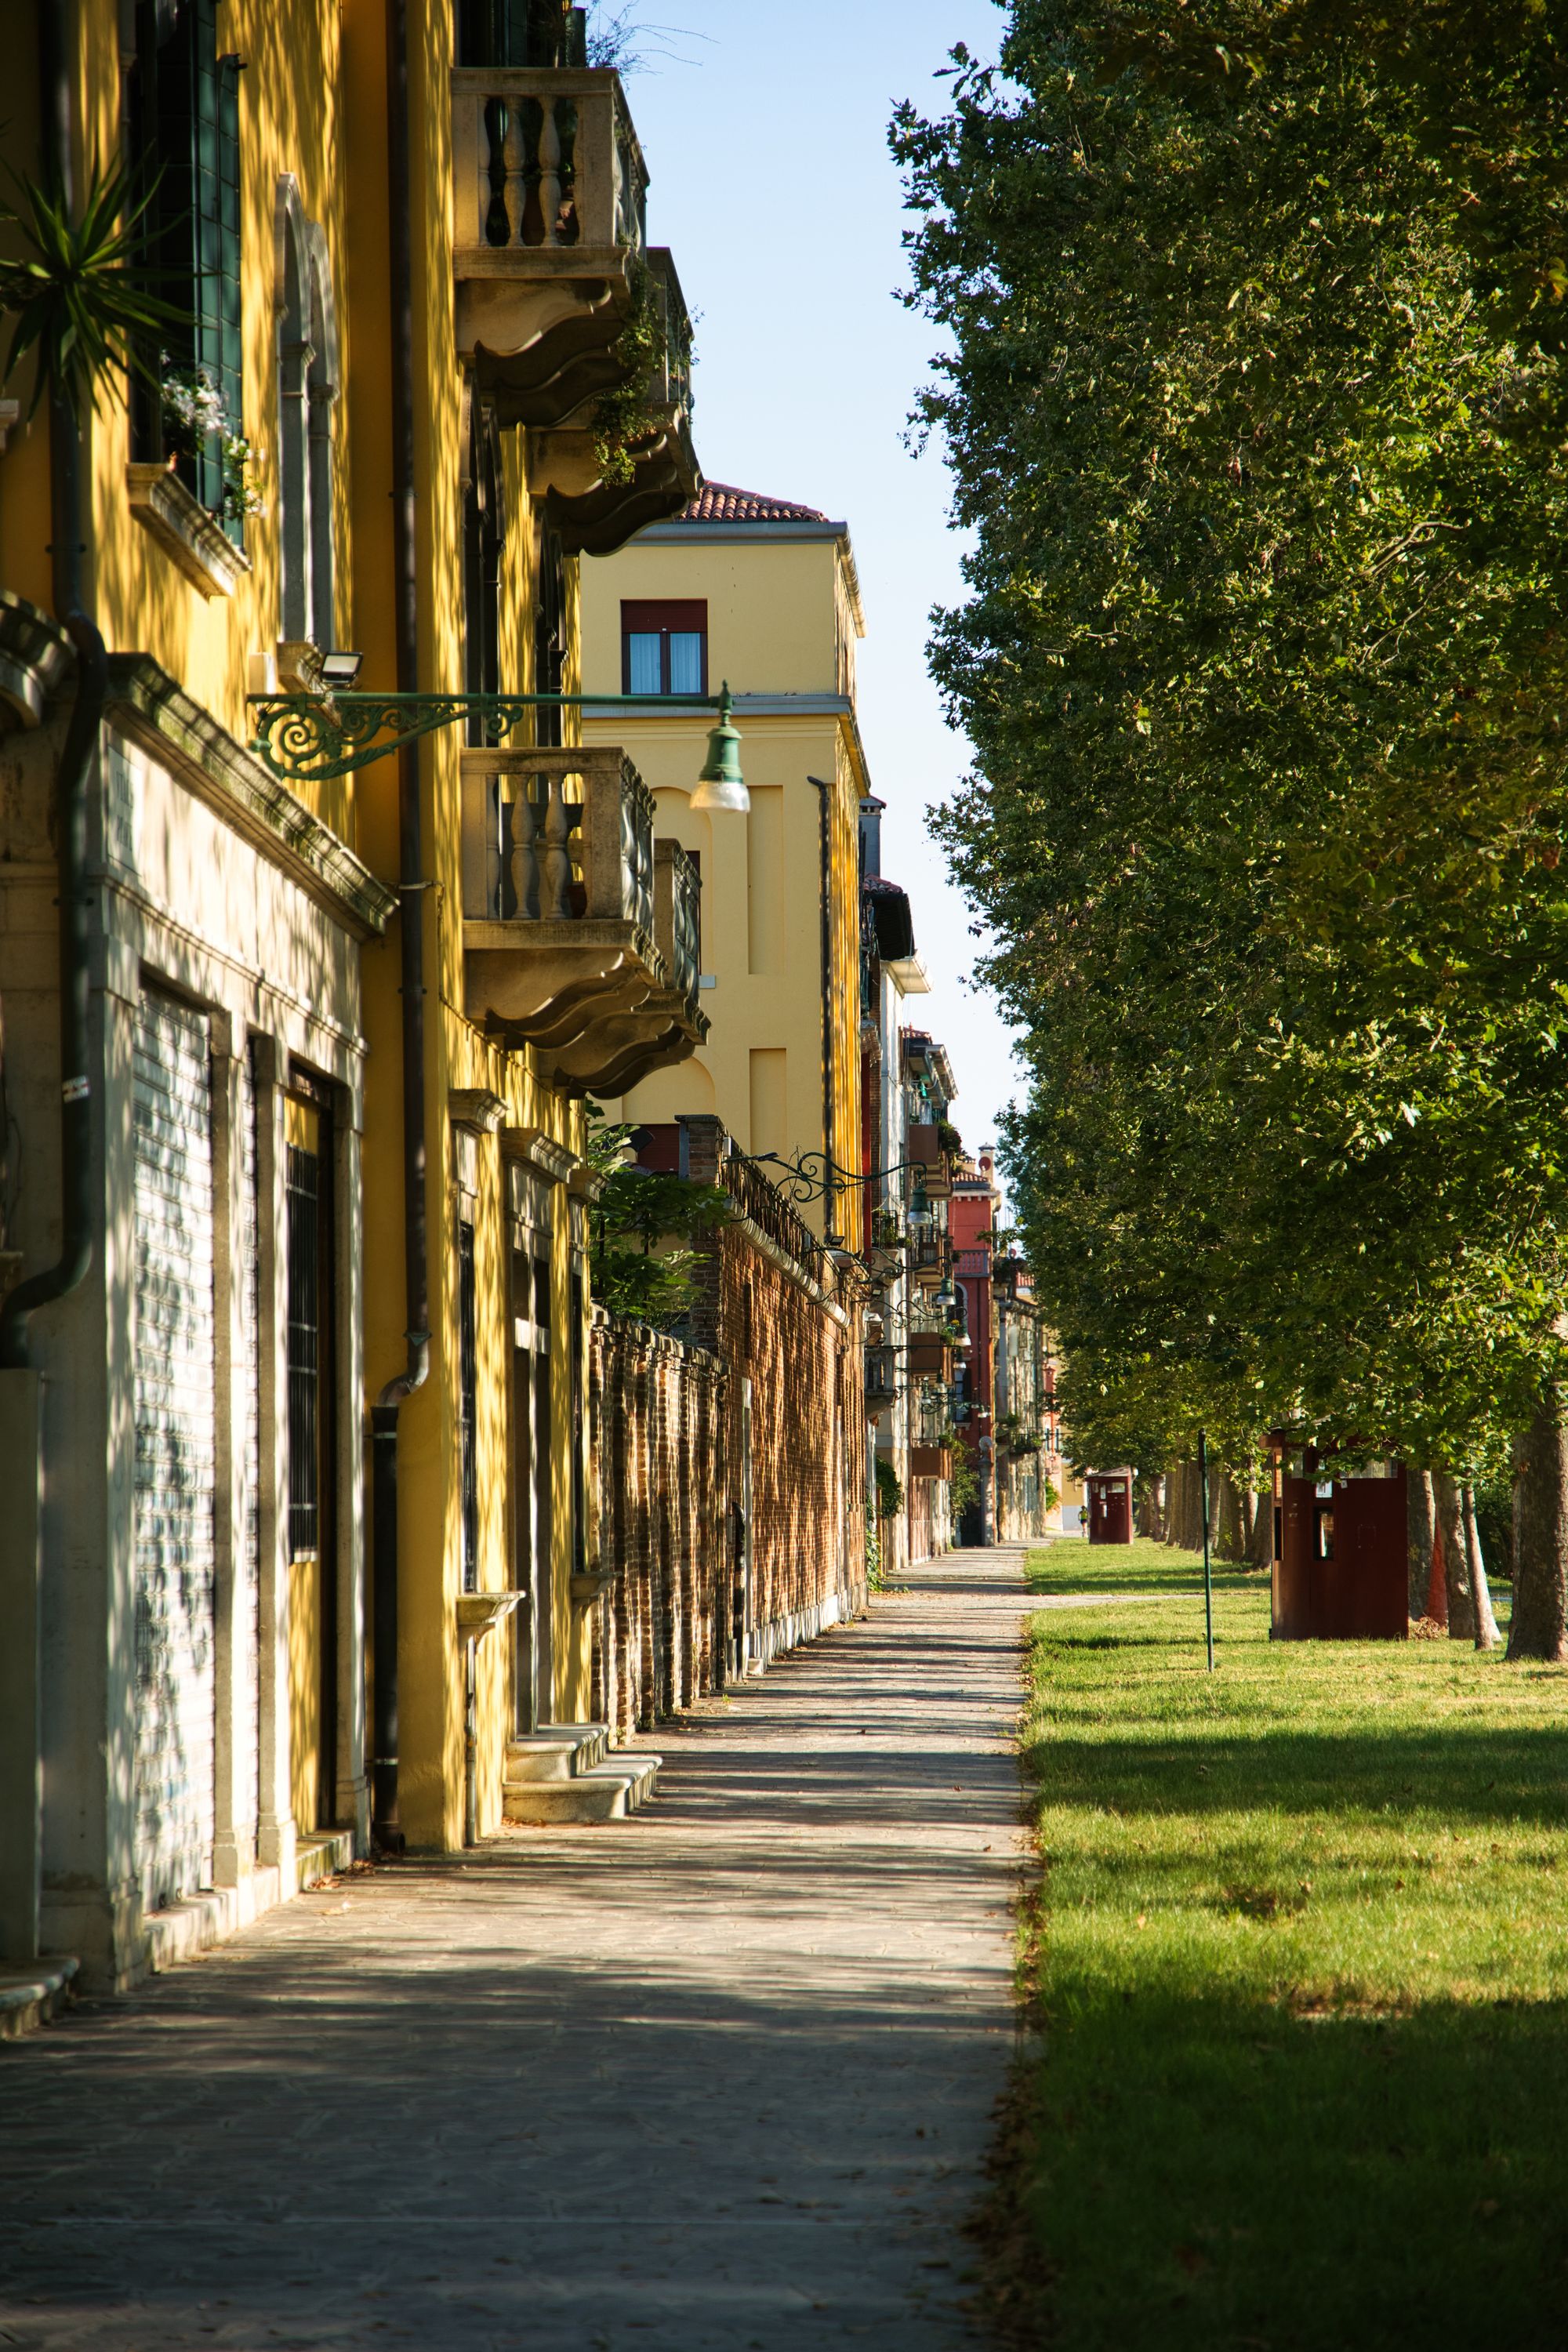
pixel 385 1414
pixel 75 772
pixel 825 853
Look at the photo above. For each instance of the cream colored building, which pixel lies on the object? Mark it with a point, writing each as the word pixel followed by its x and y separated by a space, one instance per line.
pixel 759 592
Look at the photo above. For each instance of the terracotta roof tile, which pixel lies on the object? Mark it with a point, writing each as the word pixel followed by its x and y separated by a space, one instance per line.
pixel 722 502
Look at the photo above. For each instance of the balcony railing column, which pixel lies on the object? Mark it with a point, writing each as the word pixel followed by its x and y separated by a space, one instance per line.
pixel 555 858
pixel 551 186
pixel 678 891
pixel 497 126
pixel 524 853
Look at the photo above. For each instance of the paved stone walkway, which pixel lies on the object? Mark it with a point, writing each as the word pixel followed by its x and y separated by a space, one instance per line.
pixel 716 2078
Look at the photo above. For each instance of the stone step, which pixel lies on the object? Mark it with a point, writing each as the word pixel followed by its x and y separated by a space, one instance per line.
pixel 557 1753
pixel 30 1997
pixel 606 1792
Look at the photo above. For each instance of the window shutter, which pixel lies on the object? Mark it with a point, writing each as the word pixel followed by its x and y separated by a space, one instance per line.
pixel 187 118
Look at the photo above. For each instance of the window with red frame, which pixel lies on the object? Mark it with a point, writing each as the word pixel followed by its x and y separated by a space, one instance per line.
pixel 664 646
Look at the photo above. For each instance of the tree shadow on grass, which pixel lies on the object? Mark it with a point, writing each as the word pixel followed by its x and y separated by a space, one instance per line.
pixel 1298 1953
pixel 1097 1569
pixel 1464 1771
pixel 1218 2172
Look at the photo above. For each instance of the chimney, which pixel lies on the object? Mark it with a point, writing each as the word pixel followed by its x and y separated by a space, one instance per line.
pixel 871 838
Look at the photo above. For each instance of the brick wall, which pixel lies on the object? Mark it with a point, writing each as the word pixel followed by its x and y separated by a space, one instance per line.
pixel 931 1521
pixel 797 1382
pixel 656 1426
pixel 772 1377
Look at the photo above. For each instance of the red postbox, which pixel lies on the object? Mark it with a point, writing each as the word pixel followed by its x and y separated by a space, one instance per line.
pixel 1340 1559
pixel 1110 1506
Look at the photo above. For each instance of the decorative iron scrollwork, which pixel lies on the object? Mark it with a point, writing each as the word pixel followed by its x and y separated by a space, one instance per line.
pixel 816 1175
pixel 307 739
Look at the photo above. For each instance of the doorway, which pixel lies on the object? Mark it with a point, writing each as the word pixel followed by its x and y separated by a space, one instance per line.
pixel 533 1495
pixel 312 1542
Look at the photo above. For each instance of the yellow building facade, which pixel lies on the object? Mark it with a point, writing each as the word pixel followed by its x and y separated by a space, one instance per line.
pixel 408 251
pixel 760 593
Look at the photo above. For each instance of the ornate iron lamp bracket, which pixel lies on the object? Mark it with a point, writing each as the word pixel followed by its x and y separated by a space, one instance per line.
pixel 307 739
pixel 800 1181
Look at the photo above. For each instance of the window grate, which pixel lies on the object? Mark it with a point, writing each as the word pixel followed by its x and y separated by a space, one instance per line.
pixel 468 1408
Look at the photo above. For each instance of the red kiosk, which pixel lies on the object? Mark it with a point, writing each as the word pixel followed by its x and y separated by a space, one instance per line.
pixel 1109 1495
pixel 1339 1565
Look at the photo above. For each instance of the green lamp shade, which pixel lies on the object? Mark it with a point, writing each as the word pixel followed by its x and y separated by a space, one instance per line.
pixel 721 785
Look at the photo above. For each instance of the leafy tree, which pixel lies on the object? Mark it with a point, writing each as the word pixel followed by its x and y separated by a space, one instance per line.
pixel 1255 407
pixel 639 1214
pixel 962 1484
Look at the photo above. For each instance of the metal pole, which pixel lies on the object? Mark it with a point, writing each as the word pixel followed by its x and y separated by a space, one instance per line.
pixel 73 777
pixel 1206 1570
pixel 385 1820
pixel 824 860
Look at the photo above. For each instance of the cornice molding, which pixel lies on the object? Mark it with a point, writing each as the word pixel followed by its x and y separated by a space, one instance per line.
pixel 35 659
pixel 183 528
pixel 475 1107
pixel 540 1151
pixel 146 704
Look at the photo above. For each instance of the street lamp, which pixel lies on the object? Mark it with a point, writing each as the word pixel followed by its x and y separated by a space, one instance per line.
pixel 721 785
pixel 310 737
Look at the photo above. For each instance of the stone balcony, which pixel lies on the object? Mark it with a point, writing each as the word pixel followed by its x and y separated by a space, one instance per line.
pixel 933 1164
pixel 929 1355
pixel 550 264
pixel 580 931
pixel 548 237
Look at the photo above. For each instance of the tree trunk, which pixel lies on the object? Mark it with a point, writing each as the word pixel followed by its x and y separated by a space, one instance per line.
pixel 1228 1518
pixel 1419 1528
pixel 1450 1517
pixel 1260 1549
pixel 1486 1623
pixel 1179 1487
pixel 1539 1627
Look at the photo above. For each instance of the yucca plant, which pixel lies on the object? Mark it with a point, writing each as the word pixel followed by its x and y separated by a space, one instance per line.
pixel 81 301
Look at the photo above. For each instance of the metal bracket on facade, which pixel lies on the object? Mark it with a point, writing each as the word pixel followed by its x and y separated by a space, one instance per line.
pixel 799 1180
pixel 310 737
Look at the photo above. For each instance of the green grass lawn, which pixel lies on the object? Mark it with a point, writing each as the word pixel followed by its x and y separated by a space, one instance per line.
pixel 1074 1565
pixel 1300 1964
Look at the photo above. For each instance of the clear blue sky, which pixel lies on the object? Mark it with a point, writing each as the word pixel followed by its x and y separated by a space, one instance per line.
pixel 772 183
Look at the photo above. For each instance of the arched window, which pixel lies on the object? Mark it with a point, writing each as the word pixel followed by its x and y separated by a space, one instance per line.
pixel 307 390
